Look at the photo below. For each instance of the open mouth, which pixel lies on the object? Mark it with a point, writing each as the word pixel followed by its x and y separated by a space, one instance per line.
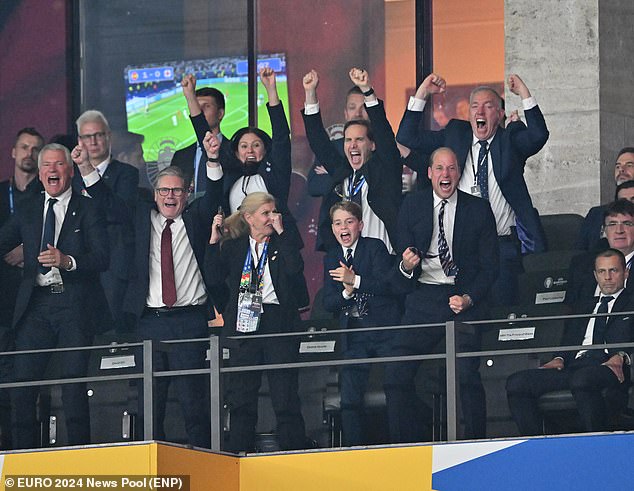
pixel 481 123
pixel 251 158
pixel 445 185
pixel 355 157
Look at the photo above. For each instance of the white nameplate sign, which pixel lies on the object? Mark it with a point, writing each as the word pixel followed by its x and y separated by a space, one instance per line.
pixel 317 346
pixel 112 362
pixel 550 297
pixel 516 334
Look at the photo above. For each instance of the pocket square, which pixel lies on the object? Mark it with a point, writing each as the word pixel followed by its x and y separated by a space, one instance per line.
pixel 77 230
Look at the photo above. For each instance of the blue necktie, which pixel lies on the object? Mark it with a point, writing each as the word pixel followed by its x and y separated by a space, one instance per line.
pixel 448 266
pixel 48 237
pixel 483 170
pixel 201 175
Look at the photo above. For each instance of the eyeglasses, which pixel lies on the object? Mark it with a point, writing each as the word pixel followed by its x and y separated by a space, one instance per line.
pixel 100 135
pixel 626 223
pixel 166 191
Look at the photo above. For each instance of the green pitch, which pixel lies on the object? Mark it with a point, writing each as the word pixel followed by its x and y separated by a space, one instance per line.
pixel 167 128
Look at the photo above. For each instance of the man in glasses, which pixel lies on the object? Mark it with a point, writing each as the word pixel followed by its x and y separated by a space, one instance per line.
pixel 618 226
pixel 167 292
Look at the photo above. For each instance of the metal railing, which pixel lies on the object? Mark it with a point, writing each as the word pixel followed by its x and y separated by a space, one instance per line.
pixel 451 355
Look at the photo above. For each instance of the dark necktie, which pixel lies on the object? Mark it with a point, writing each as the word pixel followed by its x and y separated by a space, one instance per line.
pixel 444 255
pixel 349 257
pixel 600 323
pixel 48 236
pixel 483 170
pixel 201 176
pixel 167 265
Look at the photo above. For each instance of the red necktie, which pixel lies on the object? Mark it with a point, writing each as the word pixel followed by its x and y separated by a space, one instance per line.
pixel 167 265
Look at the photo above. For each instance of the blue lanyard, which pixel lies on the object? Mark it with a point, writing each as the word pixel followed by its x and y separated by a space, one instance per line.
pixel 353 191
pixel 247 269
pixel 11 199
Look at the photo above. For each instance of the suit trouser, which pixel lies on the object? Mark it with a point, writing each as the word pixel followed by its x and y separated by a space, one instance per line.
pixel 52 320
pixel 190 323
pixel 242 387
pixel 429 304
pixel 505 288
pixel 585 377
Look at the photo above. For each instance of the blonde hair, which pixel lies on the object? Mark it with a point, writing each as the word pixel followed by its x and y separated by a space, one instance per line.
pixel 236 224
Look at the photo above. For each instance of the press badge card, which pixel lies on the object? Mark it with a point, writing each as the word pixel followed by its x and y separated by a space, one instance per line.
pixel 249 310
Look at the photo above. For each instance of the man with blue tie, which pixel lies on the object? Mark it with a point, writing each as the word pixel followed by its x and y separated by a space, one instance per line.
pixel 589 371
pixel 492 161
pixel 65 249
pixel 355 288
pixel 449 249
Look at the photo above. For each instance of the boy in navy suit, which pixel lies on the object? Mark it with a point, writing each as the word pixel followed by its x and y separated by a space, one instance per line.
pixel 353 272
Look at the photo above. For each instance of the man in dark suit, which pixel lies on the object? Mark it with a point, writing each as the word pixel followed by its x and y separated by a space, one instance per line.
pixel 370 174
pixel 207 102
pixel 449 263
pixel 113 185
pixel 492 161
pixel 167 293
pixel 356 290
pixel 22 187
pixel 589 371
pixel 65 248
pixel 590 232
pixel 618 226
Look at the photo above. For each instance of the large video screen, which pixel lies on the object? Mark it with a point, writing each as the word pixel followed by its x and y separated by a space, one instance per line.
pixel 156 107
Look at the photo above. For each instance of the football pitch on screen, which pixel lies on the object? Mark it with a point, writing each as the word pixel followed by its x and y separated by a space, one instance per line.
pixel 167 128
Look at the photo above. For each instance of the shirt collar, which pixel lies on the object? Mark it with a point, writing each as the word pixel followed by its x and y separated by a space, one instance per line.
pixel 452 200
pixel 103 166
pixel 353 247
pixel 615 295
pixel 474 142
pixel 62 199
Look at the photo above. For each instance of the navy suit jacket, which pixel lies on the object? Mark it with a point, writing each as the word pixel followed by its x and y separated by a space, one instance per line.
pixel 224 263
pixel 475 244
pixel 197 217
pixel 83 235
pixel 619 327
pixel 509 149
pixel 373 263
pixel 383 172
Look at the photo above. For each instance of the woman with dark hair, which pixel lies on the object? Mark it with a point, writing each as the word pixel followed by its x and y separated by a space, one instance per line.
pixel 264 272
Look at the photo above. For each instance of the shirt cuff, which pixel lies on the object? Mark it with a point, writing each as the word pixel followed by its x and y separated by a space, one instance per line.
pixel 357 281
pixel 73 266
pixel 345 295
pixel 371 102
pixel 214 173
pixel 409 275
pixel 416 104
pixel 91 179
pixel 310 109
pixel 529 103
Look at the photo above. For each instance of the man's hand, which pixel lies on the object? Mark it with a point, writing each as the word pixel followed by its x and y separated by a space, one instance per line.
pixel 433 84
pixel 188 83
pixel 511 118
pixel 518 87
pixel 459 303
pixel 343 274
pixel 267 77
pixel 15 257
pixel 411 259
pixel 320 170
pixel 53 258
pixel 80 157
pixel 615 363
pixel 555 363
pixel 310 83
pixel 276 221
pixel 212 145
pixel 360 78
pixel 217 228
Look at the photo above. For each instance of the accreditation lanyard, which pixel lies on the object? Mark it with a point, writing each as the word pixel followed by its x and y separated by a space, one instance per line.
pixel 352 189
pixel 246 280
pixel 11 198
pixel 480 162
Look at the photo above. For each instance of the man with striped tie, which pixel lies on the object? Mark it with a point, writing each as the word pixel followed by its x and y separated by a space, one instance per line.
pixel 449 247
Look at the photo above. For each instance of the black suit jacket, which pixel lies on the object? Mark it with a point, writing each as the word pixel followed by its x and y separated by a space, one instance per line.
pixel 509 149
pixel 475 243
pixel 618 330
pixel 373 263
pixel 83 236
pixel 184 158
pixel 197 217
pixel 223 265
pixel 382 172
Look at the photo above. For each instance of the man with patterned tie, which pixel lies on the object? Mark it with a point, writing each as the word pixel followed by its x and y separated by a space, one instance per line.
pixel 492 161
pixel 449 249
pixel 589 371
pixel 355 289
pixel 167 292
pixel 65 249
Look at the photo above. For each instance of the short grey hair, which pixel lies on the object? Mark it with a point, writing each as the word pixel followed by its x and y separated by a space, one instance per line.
pixel 54 146
pixel 91 116
pixel 172 170
pixel 486 88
